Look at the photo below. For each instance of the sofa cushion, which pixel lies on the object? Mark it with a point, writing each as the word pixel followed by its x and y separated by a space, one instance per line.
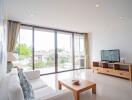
pixel 14 89
pixel 43 93
pixel 51 94
pixel 37 84
pixel 60 95
pixel 26 86
pixel 14 71
pixel 32 74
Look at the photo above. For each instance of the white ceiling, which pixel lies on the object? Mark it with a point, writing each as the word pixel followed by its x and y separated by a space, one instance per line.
pixel 74 15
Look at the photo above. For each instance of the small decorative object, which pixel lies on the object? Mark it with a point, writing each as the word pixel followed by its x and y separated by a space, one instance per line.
pixel 122 60
pixel 75 82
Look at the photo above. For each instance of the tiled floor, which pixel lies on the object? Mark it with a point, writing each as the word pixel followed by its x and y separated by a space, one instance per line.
pixel 51 69
pixel 108 87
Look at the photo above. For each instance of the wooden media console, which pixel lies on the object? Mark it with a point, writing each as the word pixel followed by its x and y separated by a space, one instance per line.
pixel 123 70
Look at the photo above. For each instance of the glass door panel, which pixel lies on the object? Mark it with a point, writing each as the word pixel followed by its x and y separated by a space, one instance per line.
pixel 23 49
pixel 79 51
pixel 44 54
pixel 64 51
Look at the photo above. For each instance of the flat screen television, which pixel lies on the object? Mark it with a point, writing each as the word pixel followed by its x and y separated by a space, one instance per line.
pixel 110 55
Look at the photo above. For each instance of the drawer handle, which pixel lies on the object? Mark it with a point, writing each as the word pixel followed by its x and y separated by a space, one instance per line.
pixel 121 73
pixel 107 71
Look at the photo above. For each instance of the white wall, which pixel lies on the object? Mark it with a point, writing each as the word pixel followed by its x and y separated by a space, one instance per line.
pixel 3 50
pixel 116 36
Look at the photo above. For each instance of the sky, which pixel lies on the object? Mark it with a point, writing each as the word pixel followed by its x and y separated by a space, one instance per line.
pixel 44 40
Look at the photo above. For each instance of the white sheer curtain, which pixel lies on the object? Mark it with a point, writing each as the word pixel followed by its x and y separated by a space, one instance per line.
pixel 3 42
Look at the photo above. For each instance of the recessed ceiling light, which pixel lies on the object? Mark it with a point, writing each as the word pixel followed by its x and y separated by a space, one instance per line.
pixel 97 5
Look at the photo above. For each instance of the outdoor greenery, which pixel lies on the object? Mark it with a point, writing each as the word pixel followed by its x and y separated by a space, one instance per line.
pixel 25 52
pixel 37 64
pixel 50 60
pixel 60 50
pixel 63 60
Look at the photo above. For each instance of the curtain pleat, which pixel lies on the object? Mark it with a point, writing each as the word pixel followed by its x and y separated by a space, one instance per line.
pixel 86 51
pixel 13 31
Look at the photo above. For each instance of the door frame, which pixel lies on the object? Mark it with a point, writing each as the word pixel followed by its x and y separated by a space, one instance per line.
pixel 55 45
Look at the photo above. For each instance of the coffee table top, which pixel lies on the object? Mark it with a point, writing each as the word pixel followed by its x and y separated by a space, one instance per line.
pixel 84 85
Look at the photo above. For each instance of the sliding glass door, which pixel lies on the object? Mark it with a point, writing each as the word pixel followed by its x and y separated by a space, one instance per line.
pixel 64 51
pixel 44 50
pixel 23 49
pixel 49 51
pixel 79 51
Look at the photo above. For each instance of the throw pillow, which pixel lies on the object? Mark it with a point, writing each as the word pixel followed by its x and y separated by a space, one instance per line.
pixel 26 86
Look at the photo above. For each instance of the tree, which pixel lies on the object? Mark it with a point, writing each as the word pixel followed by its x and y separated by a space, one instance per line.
pixel 24 50
pixel 60 50
pixel 50 60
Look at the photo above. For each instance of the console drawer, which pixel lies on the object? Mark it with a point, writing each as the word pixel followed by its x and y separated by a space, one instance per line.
pixel 97 69
pixel 113 72
pixel 124 74
pixel 105 70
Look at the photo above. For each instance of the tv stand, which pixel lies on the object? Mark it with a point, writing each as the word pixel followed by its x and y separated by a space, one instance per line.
pixel 111 61
pixel 118 69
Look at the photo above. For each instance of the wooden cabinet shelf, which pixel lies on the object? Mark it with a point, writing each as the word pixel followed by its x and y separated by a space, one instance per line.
pixel 116 69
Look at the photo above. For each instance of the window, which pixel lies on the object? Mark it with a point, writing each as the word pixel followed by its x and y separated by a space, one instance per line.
pixel 44 50
pixel 49 50
pixel 23 48
pixel 79 51
pixel 64 51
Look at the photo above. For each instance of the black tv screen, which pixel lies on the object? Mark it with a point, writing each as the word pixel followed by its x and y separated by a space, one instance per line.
pixel 110 55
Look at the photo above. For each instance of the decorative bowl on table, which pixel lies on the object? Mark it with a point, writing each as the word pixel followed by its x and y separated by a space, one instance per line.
pixel 75 82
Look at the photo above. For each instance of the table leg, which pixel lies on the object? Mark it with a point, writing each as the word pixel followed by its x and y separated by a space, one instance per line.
pixel 94 89
pixel 59 85
pixel 76 96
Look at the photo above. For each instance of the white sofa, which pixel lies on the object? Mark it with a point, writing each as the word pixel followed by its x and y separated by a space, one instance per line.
pixel 41 90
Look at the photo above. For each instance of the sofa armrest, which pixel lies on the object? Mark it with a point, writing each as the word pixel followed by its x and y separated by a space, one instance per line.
pixel 61 95
pixel 33 74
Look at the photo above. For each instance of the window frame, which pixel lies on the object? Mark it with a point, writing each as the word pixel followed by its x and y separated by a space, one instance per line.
pixel 56 31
